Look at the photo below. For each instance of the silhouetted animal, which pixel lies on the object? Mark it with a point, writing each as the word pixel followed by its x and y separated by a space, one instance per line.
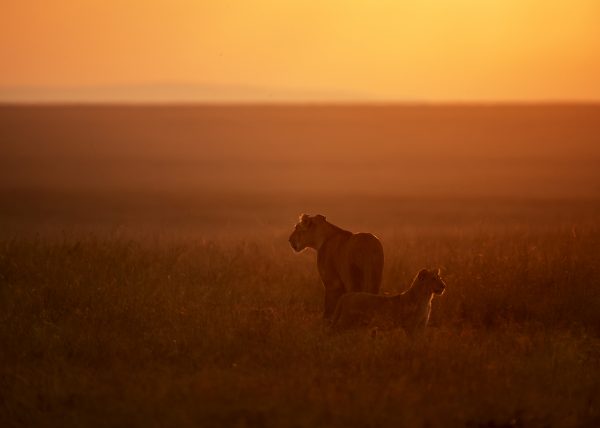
pixel 409 310
pixel 346 261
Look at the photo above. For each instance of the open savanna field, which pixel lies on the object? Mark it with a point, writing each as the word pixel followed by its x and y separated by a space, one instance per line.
pixel 146 278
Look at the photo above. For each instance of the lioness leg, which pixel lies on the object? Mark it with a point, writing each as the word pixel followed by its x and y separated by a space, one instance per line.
pixel 333 292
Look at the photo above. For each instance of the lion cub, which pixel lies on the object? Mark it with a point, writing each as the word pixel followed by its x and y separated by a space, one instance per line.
pixel 409 310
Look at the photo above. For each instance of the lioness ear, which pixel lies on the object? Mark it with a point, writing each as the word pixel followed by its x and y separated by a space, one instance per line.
pixel 303 218
pixel 320 217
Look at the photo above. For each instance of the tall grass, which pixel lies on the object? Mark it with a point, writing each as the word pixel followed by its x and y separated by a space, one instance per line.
pixel 115 330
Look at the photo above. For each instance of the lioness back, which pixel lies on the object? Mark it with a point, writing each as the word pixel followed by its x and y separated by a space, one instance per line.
pixel 357 259
pixel 368 261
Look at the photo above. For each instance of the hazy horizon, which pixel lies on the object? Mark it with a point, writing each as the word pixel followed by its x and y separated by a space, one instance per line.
pixel 190 93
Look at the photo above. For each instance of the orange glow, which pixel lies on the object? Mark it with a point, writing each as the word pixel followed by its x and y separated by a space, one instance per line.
pixel 424 50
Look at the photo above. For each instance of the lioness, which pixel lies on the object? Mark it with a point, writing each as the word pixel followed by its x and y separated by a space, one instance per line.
pixel 346 261
pixel 409 310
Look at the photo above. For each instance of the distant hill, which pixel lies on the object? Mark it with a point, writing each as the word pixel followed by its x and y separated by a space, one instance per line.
pixel 167 92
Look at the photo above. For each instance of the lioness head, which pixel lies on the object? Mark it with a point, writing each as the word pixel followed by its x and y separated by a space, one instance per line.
pixel 307 232
pixel 432 281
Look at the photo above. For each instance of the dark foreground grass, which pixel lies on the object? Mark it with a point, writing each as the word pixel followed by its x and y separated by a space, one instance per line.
pixel 110 331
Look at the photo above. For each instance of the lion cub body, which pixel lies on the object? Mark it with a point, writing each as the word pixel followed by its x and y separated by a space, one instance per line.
pixel 409 310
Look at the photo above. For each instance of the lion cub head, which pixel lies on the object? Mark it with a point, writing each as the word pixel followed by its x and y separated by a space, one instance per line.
pixel 431 281
pixel 307 232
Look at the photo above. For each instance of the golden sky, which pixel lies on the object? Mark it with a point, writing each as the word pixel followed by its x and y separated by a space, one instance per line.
pixel 414 50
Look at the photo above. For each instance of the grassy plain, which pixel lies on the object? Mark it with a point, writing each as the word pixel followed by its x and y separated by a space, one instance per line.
pixel 183 305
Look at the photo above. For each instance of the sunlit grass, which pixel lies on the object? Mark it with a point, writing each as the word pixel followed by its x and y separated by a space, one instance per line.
pixel 108 330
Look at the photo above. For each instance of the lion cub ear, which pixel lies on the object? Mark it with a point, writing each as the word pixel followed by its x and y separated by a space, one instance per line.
pixel 320 217
pixel 304 218
pixel 423 273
